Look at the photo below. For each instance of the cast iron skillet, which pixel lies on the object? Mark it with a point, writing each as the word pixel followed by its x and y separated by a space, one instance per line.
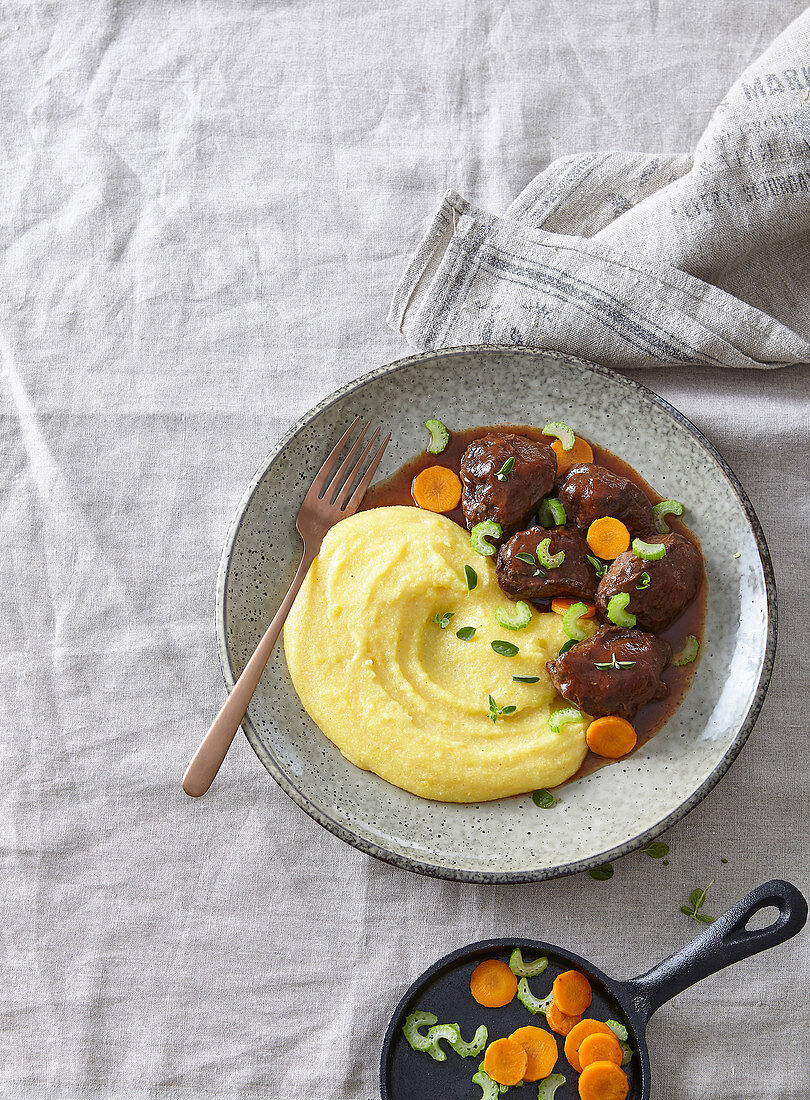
pixel 444 989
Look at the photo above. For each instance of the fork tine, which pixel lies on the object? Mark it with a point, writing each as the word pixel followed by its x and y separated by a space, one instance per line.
pixel 336 484
pixel 320 478
pixel 360 491
pixel 343 494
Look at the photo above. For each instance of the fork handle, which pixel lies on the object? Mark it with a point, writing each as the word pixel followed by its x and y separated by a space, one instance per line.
pixel 212 750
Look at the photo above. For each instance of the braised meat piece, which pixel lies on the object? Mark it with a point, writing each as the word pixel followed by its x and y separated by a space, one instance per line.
pixel 520 575
pixel 510 499
pixel 590 492
pixel 622 690
pixel 673 582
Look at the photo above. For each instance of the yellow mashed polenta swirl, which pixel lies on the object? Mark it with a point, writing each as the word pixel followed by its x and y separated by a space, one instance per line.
pixel 403 698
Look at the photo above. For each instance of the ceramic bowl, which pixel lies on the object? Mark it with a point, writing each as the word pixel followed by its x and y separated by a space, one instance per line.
pixel 616 809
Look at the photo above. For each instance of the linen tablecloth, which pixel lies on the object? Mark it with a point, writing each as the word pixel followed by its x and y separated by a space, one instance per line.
pixel 205 208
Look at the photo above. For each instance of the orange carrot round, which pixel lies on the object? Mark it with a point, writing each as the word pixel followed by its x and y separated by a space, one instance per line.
pixel 580 452
pixel 577 1034
pixel 493 984
pixel 560 1021
pixel 610 736
pixel 560 605
pixel 436 489
pixel 599 1048
pixel 603 1081
pixel 541 1051
pixel 572 992
pixel 505 1061
pixel 608 537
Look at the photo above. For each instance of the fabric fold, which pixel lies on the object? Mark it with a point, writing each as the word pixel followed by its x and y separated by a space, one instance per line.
pixel 632 259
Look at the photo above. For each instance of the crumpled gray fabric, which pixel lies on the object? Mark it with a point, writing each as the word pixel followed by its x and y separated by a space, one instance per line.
pixel 630 259
pixel 202 213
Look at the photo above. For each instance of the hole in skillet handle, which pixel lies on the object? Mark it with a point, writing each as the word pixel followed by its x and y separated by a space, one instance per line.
pixel 444 989
pixel 763 918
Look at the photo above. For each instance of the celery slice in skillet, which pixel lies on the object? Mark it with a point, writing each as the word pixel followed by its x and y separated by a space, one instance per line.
pixel 549 1085
pixel 526 969
pixel 475 1045
pixel 528 999
pixel 490 1089
pixel 410 1029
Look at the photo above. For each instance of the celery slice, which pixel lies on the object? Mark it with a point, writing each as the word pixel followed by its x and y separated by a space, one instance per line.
pixel 475 1045
pixel 410 1029
pixel 619 1030
pixel 616 610
pixel 489 1088
pixel 559 718
pixel 549 1085
pixel 649 551
pixel 570 621
pixel 515 618
pixel 666 508
pixel 523 969
pixel 439 437
pixel 429 1042
pixel 552 513
pixel 488 529
pixel 562 432
pixel 528 999
pixel 688 654
pixel 450 1032
pixel 547 559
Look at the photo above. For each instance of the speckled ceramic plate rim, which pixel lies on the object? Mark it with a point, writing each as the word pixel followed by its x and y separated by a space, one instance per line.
pixel 495 877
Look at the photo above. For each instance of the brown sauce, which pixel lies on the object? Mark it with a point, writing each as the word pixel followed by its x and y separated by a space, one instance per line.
pixel 396 490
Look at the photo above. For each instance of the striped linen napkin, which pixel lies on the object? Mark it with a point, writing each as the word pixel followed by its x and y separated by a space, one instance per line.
pixel 631 259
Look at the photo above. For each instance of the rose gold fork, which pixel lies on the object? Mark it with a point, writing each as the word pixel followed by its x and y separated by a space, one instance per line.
pixel 324 504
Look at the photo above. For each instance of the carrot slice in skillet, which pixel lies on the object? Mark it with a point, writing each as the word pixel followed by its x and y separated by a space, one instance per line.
pixel 572 992
pixel 493 984
pixel 559 1021
pixel 505 1061
pixel 603 1081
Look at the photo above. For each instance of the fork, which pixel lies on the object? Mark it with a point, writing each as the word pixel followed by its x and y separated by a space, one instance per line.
pixel 326 502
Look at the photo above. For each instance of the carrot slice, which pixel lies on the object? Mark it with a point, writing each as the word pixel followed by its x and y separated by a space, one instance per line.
pixel 603 1081
pixel 437 489
pixel 608 537
pixel 580 452
pixel 599 1048
pixel 610 736
pixel 493 984
pixel 560 605
pixel 560 1021
pixel 505 1061
pixel 541 1051
pixel 572 992
pixel 577 1034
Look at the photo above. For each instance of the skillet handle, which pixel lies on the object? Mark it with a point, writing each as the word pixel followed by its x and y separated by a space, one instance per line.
pixel 724 942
